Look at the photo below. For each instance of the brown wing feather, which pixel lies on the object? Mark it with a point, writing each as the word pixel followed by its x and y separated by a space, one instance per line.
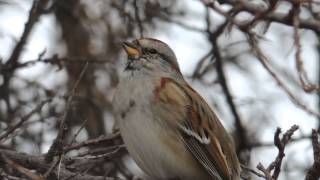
pixel 199 126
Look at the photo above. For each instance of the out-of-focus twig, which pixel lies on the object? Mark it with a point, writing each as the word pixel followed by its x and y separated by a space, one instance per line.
pixel 245 168
pixel 254 8
pixel 73 139
pixel 303 77
pixel 37 9
pixel 22 170
pixel 253 41
pixel 58 62
pixel 268 15
pixel 56 148
pixel 137 17
pixel 265 171
pixel 25 118
pixel 35 12
pixel 240 129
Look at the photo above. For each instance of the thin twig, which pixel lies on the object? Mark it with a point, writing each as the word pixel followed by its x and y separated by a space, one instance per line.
pixel 252 171
pixel 103 139
pixel 107 154
pixel 73 139
pixel 57 146
pixel 265 172
pixel 58 62
pixel 137 17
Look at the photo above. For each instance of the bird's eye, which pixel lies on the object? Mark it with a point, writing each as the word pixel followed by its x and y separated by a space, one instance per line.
pixel 152 51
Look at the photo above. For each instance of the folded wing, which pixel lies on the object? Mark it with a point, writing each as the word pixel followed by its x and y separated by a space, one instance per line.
pixel 200 128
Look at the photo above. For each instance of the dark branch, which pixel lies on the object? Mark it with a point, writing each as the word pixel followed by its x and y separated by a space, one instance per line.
pixel 275 166
pixel 314 171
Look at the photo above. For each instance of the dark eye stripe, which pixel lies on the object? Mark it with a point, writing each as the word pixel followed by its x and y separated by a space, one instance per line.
pixel 164 58
pixel 152 51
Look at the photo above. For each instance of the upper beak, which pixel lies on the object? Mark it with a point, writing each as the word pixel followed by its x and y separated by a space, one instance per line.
pixel 131 49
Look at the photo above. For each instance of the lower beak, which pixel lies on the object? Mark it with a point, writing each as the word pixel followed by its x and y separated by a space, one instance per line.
pixel 131 49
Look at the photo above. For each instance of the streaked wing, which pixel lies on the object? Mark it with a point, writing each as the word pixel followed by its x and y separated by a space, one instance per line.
pixel 197 123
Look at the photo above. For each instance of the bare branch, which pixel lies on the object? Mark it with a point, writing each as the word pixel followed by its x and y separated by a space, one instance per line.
pixel 38 163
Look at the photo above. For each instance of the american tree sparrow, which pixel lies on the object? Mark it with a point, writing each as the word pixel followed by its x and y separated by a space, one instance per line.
pixel 167 127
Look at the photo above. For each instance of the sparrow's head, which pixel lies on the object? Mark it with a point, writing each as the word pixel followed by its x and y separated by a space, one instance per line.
pixel 150 56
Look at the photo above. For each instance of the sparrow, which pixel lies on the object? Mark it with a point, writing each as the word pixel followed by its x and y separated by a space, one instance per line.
pixel 168 128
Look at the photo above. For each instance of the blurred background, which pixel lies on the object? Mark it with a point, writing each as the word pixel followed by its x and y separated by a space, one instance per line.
pixel 255 62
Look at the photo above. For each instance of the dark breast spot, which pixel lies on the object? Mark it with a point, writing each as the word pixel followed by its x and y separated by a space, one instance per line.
pixel 123 114
pixel 132 103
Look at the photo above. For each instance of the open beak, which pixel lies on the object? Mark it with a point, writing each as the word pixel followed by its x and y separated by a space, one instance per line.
pixel 132 50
